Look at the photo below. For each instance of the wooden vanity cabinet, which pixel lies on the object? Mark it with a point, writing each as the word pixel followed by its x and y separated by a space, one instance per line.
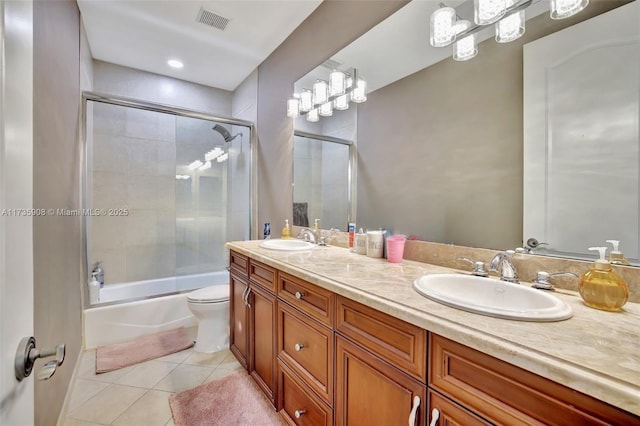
pixel 262 320
pixel 239 318
pixel 502 393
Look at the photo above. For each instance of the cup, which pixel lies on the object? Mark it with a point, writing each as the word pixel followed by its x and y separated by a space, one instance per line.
pixel 361 244
pixel 375 243
pixel 395 248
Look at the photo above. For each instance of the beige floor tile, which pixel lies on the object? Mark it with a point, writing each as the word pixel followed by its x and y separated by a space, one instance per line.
pixel 184 377
pixel 204 359
pixel 230 362
pixel 150 410
pixel 87 362
pixel 75 422
pixel 177 357
pixel 147 374
pixel 217 374
pixel 110 377
pixel 83 390
pixel 170 422
pixel 107 405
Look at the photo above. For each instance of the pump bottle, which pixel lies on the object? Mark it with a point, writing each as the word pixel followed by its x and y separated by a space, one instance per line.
pixel 600 287
pixel 286 231
pixel 94 289
pixel 616 257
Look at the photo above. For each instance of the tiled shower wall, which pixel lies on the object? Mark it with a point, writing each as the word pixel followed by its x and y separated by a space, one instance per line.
pixel 134 167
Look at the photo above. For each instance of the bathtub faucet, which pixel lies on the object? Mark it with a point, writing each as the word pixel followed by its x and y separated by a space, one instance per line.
pixel 99 271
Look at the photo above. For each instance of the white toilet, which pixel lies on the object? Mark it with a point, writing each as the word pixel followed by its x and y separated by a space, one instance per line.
pixel 211 306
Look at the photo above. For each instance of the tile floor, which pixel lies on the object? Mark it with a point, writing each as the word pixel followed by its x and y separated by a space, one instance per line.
pixel 139 395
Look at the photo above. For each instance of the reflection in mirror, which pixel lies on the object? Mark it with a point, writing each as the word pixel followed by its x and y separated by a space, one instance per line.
pixel 321 180
pixel 453 132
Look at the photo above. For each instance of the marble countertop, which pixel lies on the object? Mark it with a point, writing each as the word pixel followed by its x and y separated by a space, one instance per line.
pixel 594 352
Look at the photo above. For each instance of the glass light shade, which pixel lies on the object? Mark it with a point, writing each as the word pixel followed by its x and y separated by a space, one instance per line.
pixel 358 94
pixel 337 83
pixel 341 102
pixel 487 12
pixel 320 92
pixel 510 27
pixel 465 49
pixel 306 100
pixel 326 110
pixel 442 21
pixel 561 9
pixel 293 107
pixel 313 116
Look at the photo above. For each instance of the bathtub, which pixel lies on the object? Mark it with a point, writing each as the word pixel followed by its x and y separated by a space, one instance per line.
pixel 141 313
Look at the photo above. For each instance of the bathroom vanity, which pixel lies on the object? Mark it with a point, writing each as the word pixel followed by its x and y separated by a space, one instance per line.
pixel 332 337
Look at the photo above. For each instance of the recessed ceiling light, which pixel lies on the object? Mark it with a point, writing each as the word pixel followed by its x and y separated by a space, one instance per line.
pixel 174 63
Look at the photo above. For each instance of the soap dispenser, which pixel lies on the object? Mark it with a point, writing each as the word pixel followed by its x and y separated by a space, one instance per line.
pixel 316 227
pixel 616 257
pixel 286 231
pixel 94 289
pixel 600 287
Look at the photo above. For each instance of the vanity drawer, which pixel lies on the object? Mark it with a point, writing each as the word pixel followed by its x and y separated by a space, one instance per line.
pixel 451 413
pixel 505 394
pixel 400 343
pixel 310 299
pixel 307 347
pixel 298 404
pixel 263 275
pixel 239 263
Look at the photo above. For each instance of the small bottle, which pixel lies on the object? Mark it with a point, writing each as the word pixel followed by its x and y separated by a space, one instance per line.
pixel 316 227
pixel 267 230
pixel 94 289
pixel 286 231
pixel 600 287
pixel 99 273
pixel 616 257
pixel 351 228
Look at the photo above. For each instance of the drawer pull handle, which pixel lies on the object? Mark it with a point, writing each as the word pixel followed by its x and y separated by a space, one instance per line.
pixel 299 413
pixel 414 409
pixel 299 295
pixel 298 347
pixel 435 416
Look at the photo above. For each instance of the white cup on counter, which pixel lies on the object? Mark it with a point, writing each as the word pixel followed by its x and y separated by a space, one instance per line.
pixel 375 243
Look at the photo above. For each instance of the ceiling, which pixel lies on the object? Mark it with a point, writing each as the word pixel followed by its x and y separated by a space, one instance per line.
pixel 145 34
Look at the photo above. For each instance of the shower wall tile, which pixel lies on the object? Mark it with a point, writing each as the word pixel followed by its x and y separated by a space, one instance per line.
pixel 142 124
pixel 166 165
pixel 166 260
pixel 108 191
pixel 109 78
pixel 167 128
pixel 142 192
pixel 109 153
pixel 142 263
pixel 142 157
pixel 109 119
pixel 106 233
pixel 143 85
pixel 141 228
pixel 166 226
pixel 166 192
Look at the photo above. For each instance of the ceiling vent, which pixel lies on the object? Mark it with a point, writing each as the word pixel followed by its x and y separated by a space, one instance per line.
pixel 331 64
pixel 212 19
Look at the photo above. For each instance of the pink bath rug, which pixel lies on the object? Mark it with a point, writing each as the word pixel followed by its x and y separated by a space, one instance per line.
pixel 120 355
pixel 234 400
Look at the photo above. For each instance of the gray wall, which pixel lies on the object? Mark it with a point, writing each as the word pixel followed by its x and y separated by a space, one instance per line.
pixel 333 25
pixel 56 183
pixel 440 151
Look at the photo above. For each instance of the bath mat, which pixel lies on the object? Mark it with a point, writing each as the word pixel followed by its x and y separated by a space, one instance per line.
pixel 234 400
pixel 120 355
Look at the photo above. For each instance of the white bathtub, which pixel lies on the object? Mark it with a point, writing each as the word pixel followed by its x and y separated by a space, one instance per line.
pixel 115 323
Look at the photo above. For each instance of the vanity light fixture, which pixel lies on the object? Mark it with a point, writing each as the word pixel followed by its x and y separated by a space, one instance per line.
pixel 325 97
pixel 507 16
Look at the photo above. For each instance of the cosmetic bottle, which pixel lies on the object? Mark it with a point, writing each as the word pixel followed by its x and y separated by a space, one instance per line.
pixel 286 231
pixel 616 257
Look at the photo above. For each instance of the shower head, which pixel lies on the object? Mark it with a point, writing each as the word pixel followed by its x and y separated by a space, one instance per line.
pixel 225 133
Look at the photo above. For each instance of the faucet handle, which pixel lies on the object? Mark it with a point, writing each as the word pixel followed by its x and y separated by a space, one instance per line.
pixel 542 279
pixel 478 267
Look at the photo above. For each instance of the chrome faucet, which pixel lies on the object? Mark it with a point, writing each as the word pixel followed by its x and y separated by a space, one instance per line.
pixel 501 263
pixel 308 234
pixel 542 279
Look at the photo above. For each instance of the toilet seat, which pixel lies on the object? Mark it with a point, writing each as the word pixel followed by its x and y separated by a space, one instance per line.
pixel 213 294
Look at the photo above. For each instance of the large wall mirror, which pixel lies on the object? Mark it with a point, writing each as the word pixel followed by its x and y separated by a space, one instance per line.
pixel 441 143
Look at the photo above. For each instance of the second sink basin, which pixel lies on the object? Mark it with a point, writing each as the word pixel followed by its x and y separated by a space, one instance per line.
pixel 287 245
pixel 491 297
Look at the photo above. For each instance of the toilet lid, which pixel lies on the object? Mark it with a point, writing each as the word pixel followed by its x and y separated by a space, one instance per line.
pixel 215 293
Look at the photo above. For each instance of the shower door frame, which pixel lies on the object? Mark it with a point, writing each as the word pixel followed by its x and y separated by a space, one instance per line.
pixel 166 109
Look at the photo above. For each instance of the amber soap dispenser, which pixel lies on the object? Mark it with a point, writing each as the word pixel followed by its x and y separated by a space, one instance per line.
pixel 600 287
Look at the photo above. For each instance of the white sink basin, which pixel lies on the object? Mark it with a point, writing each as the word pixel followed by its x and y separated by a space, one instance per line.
pixel 287 245
pixel 491 297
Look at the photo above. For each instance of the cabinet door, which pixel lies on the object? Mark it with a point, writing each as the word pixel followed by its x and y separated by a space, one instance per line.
pixel 371 392
pixel 451 414
pixel 262 314
pixel 239 319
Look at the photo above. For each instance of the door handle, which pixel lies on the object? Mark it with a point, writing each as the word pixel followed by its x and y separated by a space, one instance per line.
pixel 26 355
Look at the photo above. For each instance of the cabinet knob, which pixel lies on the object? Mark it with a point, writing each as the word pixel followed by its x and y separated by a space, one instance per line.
pixel 299 295
pixel 298 347
pixel 299 413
